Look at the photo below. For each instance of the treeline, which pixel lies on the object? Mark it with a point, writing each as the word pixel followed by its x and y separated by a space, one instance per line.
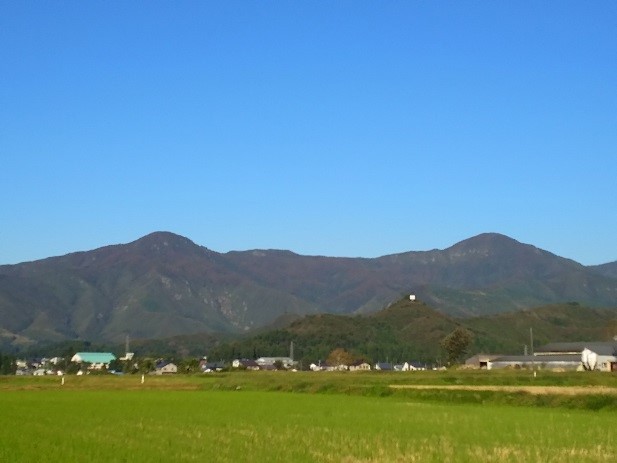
pixel 8 364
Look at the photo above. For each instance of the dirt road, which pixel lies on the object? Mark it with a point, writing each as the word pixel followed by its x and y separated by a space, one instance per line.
pixel 556 390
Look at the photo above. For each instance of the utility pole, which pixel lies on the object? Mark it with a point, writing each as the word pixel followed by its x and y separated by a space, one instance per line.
pixel 533 366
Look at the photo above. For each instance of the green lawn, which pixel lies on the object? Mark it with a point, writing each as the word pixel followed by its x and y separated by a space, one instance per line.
pixel 187 419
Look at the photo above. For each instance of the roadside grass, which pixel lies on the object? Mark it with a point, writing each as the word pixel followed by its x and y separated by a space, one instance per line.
pixel 120 424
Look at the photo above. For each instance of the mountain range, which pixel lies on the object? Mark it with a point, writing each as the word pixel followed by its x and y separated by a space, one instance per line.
pixel 163 285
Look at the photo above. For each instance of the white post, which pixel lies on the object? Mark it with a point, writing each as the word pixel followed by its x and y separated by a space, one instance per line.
pixel 142 379
pixel 63 380
pixel 533 365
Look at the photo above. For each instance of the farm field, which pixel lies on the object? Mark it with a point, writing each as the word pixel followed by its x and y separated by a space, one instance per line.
pixel 253 418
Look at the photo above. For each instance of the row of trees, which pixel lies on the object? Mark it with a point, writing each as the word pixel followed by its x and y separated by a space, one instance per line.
pixel 372 342
pixel 148 364
pixel 8 365
pixel 455 346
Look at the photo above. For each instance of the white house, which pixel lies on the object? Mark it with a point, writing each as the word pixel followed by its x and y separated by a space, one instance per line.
pixel 383 366
pixel 287 362
pixel 166 368
pixel 360 366
pixel 245 363
pixel 413 366
pixel 326 367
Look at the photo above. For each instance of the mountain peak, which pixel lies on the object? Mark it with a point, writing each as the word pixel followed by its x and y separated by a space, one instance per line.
pixel 488 239
pixel 163 237
pixel 164 242
pixel 489 244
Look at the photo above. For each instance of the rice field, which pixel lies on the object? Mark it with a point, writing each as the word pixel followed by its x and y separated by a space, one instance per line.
pixel 184 420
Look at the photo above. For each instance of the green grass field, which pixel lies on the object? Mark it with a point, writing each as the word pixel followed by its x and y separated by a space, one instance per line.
pixel 254 418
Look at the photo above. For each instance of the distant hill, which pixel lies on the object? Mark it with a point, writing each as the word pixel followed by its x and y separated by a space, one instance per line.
pixel 407 331
pixel 609 270
pixel 164 285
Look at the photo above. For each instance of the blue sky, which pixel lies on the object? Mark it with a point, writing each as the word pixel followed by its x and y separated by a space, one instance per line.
pixel 346 128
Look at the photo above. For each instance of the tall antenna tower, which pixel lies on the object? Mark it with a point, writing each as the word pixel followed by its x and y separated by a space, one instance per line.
pixel 127 354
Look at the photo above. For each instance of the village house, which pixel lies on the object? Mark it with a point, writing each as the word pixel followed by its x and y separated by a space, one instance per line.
pixel 327 367
pixel 410 366
pixel 315 367
pixel 383 366
pixel 287 362
pixel 360 365
pixel 247 364
pixel 210 367
pixel 165 368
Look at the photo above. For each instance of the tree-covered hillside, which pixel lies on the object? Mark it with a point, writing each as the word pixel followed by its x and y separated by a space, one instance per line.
pixel 412 331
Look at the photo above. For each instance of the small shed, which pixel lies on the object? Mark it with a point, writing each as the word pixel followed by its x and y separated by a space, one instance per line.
pixel 480 360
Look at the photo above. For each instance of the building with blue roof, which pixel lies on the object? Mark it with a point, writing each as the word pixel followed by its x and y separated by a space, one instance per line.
pixel 97 360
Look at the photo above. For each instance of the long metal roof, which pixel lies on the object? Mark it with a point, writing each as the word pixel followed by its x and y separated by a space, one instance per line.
pixel 93 357
pixel 602 348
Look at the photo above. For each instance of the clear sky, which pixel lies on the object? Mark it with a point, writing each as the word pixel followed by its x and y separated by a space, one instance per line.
pixel 339 128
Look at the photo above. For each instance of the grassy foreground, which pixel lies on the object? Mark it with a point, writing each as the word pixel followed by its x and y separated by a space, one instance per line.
pixel 254 418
